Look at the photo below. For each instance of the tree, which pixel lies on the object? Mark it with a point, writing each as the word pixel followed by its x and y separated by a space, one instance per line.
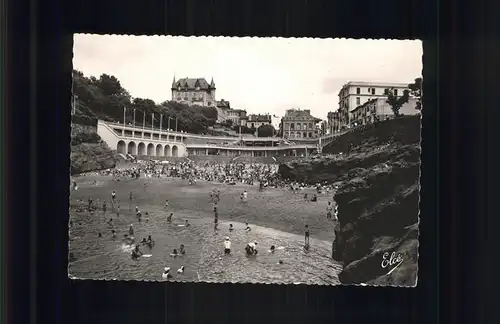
pixel 266 131
pixel 397 102
pixel 416 91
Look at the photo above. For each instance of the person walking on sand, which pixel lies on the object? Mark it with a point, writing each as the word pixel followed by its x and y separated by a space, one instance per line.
pixel 306 235
pixel 169 218
pixel 216 218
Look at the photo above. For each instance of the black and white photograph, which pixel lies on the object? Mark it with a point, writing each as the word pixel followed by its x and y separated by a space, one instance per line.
pixel 245 160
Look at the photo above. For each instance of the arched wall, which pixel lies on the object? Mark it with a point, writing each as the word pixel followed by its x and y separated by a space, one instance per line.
pixel 132 148
pixel 121 147
pixel 151 149
pixel 159 150
pixel 141 149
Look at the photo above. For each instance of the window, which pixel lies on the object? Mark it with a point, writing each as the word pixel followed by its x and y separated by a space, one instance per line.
pixel 358 101
pixel 396 92
pixel 304 135
pixel 209 103
pixel 358 90
pixel 310 134
pixel 386 91
pixel 292 126
pixel 310 125
pixel 373 91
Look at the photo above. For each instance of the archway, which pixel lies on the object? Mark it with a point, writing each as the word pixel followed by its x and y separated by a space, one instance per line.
pixel 132 148
pixel 159 150
pixel 166 150
pixel 175 151
pixel 151 150
pixel 121 147
pixel 141 149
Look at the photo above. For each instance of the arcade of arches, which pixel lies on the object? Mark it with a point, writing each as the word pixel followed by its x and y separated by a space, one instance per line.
pixel 150 149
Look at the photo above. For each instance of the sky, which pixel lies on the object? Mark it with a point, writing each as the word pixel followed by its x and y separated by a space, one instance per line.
pixel 260 75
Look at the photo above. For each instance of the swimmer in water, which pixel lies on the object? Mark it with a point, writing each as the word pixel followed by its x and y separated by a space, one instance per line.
pixel 251 248
pixel 136 253
pixel 248 229
pixel 169 218
pixel 166 204
pixel 150 242
pixel 166 273
pixel 174 253
pixel 182 250
pixel 131 229
pixel 231 227
pixel 187 223
pixel 272 249
pixel 113 233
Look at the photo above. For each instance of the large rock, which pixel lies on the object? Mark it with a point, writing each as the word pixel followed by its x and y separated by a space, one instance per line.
pixel 89 152
pixel 378 199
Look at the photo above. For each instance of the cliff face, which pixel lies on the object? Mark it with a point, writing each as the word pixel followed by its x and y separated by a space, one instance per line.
pixel 378 199
pixel 89 152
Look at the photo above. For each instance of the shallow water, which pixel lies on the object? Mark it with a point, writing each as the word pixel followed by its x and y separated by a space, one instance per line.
pixel 107 258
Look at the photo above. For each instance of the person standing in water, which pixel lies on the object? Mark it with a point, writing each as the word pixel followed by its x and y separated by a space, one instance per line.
pixel 329 209
pixel 227 246
pixel 130 200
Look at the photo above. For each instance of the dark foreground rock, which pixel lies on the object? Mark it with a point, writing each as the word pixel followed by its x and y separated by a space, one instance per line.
pixel 89 152
pixel 378 198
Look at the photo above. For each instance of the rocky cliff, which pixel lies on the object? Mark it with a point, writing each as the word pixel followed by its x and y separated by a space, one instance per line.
pixel 88 151
pixel 377 170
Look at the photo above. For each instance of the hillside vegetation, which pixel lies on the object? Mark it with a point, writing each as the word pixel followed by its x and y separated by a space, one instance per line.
pixel 104 98
pixel 377 170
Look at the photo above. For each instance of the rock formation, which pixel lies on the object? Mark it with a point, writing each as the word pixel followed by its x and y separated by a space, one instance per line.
pixel 377 170
pixel 89 152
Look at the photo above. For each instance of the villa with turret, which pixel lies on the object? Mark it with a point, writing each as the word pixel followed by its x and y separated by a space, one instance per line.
pixel 194 91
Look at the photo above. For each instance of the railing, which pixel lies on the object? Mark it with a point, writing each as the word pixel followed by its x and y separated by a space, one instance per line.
pixel 164 131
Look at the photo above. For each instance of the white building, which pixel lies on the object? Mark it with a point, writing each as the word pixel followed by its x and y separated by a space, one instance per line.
pixel 356 93
pixel 379 109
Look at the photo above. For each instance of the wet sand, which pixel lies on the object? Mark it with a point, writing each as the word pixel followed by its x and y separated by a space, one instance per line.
pixel 276 217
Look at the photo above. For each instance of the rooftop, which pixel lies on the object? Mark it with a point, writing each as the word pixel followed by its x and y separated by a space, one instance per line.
pixel 192 84
pixel 375 84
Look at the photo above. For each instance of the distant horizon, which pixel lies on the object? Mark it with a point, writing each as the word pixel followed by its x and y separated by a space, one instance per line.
pixel 259 75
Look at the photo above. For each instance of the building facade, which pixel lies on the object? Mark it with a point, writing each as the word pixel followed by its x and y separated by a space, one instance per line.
pixel 194 91
pixel 255 121
pixel 356 93
pixel 379 109
pixel 299 123
pixel 333 122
